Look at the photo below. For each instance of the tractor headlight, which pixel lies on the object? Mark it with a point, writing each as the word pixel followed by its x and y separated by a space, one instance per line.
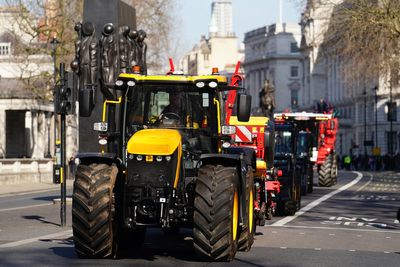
pixel 119 83
pixel 131 83
pixel 158 158
pixel 168 158
pixel 200 84
pixel 139 157
pixel 213 84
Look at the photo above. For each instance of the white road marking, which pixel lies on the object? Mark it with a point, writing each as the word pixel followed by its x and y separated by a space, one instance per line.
pixel 67 233
pixel 366 184
pixel 317 202
pixel 283 247
pixel 27 207
pixel 386 252
pixel 338 228
pixel 352 250
pixel 331 234
pixel 317 248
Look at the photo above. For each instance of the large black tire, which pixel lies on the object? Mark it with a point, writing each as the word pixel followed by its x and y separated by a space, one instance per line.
pixel 286 208
pixel 93 210
pixel 247 231
pixel 216 213
pixel 304 182
pixel 310 185
pixel 325 173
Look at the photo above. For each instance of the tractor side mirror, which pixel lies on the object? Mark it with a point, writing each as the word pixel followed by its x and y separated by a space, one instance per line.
pixel 86 101
pixel 243 107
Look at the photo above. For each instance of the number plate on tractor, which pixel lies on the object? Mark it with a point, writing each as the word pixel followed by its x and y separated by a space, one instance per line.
pixel 149 158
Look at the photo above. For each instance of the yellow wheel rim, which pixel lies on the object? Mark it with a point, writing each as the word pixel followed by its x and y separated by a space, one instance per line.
pixel 251 210
pixel 235 215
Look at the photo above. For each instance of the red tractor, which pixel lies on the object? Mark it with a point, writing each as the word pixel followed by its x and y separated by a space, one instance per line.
pixel 316 146
pixel 257 134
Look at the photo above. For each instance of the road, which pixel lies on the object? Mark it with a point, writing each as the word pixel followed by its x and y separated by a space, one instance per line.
pixel 350 224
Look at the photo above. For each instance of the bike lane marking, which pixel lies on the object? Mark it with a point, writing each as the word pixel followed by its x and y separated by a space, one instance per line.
pixel 316 202
pixel 35 239
pixel 27 207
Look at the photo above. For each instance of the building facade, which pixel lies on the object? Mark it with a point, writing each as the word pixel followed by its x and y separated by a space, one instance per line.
pixel 361 105
pixel 220 49
pixel 272 57
pixel 26 110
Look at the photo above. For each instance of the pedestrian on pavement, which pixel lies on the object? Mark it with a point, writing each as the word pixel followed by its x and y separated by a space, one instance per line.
pixel 347 162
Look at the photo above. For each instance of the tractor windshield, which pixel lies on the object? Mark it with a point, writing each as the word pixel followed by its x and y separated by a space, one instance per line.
pixel 283 142
pixel 303 144
pixel 170 106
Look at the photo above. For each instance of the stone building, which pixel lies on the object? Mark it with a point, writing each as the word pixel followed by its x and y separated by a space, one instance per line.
pixel 26 118
pixel 272 56
pixel 363 109
pixel 220 49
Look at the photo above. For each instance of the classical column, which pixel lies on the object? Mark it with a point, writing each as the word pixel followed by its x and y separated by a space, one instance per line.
pixel 28 134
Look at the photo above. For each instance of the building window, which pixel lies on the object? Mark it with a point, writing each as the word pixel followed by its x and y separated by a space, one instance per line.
pixel 293 47
pixel 5 49
pixel 294 98
pixel 294 71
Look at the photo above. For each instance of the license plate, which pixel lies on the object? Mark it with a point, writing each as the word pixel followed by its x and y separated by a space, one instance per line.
pixel 149 158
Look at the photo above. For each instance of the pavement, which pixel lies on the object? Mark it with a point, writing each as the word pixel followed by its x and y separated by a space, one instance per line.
pixel 27 188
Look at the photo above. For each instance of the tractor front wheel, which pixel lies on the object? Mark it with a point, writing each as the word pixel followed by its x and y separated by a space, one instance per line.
pixel 93 210
pixel 246 238
pixel 216 213
pixel 325 173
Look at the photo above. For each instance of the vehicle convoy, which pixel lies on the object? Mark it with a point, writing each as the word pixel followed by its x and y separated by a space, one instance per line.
pixel 316 146
pixel 289 198
pixel 171 169
pixel 256 136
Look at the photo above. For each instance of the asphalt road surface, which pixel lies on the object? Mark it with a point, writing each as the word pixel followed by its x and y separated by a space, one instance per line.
pixel 350 224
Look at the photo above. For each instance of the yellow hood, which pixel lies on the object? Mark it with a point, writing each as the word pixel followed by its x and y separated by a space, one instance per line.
pixel 161 142
pixel 253 121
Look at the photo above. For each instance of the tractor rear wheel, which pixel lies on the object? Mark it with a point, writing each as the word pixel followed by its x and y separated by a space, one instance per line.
pixel 325 173
pixel 216 213
pixel 93 210
pixel 310 185
pixel 286 208
pixel 246 238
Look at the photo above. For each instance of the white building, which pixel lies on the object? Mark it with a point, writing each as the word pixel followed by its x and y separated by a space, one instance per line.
pixel 323 78
pixel 26 118
pixel 220 49
pixel 271 53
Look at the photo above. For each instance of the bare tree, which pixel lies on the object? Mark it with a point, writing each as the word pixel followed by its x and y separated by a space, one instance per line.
pixel 158 18
pixel 36 24
pixel 365 34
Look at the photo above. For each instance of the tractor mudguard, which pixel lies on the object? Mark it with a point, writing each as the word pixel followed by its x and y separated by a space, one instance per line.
pixel 231 160
pixel 248 153
pixel 93 157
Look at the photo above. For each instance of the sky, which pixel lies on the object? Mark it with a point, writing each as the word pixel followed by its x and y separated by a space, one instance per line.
pixel 247 15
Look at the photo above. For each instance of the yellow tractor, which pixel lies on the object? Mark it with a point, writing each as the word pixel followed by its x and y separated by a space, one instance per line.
pixel 173 169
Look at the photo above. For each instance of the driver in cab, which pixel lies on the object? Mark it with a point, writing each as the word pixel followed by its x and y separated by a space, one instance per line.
pixel 173 110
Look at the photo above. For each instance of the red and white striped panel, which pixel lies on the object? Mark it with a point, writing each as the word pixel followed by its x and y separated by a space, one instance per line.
pixel 243 134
